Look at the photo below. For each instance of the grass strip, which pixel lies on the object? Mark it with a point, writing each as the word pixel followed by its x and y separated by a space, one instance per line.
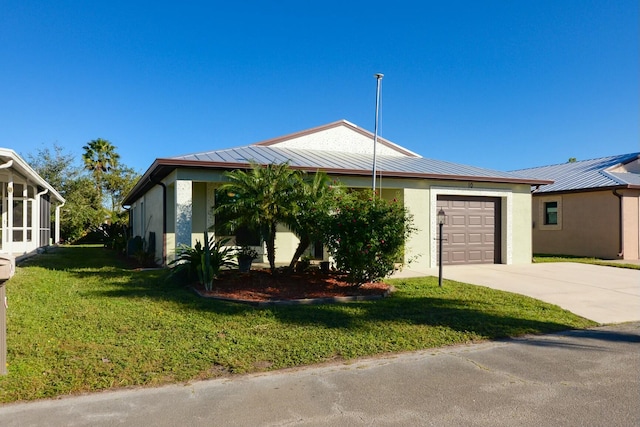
pixel 539 258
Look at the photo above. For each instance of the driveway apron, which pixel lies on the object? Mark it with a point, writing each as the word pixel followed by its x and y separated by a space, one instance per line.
pixel 602 294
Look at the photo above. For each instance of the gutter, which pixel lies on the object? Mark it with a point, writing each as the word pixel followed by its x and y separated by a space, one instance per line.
pixel 621 226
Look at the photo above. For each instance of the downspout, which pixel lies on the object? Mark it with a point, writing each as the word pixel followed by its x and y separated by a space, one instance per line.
pixel 37 209
pixel 164 218
pixel 621 227
pixel 7 165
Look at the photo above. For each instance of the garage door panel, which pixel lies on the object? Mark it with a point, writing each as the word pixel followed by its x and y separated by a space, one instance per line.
pixel 474 220
pixel 457 257
pixel 471 229
pixel 458 220
pixel 458 238
pixel 475 256
pixel 475 238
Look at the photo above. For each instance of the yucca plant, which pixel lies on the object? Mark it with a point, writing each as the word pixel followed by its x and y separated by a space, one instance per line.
pixel 203 262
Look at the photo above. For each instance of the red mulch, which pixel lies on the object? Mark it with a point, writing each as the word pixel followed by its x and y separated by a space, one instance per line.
pixel 260 285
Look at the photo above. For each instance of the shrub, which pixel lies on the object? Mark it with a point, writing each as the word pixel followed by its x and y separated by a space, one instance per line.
pixel 203 262
pixel 366 235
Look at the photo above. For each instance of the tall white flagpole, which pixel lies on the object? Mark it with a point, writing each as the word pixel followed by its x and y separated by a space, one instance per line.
pixel 378 77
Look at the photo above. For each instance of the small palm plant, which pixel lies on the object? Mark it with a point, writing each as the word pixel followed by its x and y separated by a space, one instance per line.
pixel 204 262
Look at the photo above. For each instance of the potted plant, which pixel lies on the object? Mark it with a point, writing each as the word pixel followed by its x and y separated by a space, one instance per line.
pixel 246 255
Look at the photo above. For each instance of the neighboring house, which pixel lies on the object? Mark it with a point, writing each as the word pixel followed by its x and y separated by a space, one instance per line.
pixel 489 212
pixel 592 208
pixel 26 203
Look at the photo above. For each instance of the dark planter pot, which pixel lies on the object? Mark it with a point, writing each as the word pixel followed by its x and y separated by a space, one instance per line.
pixel 324 266
pixel 244 264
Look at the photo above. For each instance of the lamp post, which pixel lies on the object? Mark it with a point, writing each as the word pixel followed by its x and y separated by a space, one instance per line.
pixel 442 217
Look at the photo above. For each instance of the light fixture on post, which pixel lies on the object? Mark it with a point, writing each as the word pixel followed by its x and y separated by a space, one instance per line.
pixel 442 218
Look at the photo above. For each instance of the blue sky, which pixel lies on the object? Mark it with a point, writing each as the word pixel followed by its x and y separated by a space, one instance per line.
pixel 496 84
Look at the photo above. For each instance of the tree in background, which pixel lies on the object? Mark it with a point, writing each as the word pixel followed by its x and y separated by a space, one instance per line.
pixel 99 158
pixel 54 165
pixel 86 209
pixel 117 183
pixel 82 212
pixel 82 209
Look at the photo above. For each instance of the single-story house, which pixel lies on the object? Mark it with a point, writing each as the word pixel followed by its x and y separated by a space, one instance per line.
pixel 488 212
pixel 592 208
pixel 26 203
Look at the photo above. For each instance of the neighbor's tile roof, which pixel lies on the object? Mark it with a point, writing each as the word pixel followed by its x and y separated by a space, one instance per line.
pixel 585 174
pixel 347 162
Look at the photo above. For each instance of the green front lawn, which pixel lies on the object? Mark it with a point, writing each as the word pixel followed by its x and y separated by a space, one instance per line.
pixel 585 260
pixel 79 320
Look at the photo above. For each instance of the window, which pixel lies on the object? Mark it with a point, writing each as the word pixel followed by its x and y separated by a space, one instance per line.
pixel 551 213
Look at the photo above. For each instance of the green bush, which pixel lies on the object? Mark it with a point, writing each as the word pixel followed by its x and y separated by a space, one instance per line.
pixel 366 235
pixel 203 262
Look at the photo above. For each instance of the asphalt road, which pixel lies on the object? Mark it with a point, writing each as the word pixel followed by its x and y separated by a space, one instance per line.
pixel 577 378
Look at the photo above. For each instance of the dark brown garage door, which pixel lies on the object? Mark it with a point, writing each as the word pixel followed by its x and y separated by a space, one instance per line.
pixel 472 230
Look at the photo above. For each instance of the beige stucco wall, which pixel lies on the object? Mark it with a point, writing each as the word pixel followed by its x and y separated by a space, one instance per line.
pixel 417 195
pixel 631 223
pixel 418 246
pixel 153 209
pixel 588 225
pixel 286 244
pixel 171 221
pixel 522 249
pixel 338 139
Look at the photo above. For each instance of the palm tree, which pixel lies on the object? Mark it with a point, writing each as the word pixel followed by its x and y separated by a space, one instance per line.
pixel 266 196
pixel 313 203
pixel 99 157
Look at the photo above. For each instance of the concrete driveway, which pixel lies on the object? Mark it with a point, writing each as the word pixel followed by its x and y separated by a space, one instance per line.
pixel 602 294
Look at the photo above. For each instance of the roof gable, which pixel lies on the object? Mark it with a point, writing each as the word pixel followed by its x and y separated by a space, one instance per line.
pixel 605 172
pixel 341 137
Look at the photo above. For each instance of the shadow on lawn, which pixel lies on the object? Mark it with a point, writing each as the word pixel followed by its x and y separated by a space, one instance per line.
pixel 123 282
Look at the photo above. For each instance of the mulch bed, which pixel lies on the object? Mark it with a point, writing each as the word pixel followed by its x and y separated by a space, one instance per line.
pixel 260 285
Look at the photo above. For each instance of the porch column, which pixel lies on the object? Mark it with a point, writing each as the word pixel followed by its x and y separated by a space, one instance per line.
pixel 36 214
pixel 184 212
pixel 57 238
pixel 8 239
